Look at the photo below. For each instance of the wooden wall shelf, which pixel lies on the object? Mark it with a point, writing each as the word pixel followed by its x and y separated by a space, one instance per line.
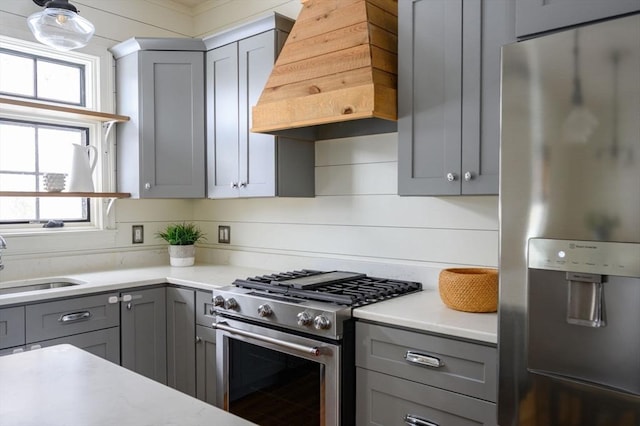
pixel 78 112
pixel 65 194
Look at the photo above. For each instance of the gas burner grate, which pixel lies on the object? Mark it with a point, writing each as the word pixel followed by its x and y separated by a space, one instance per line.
pixel 358 291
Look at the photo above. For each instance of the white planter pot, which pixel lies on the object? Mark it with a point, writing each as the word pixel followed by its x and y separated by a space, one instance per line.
pixel 182 255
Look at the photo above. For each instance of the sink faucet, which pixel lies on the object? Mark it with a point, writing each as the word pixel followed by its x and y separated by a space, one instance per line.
pixel 3 245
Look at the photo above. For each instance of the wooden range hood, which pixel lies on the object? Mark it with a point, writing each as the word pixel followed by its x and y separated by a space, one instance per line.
pixel 338 64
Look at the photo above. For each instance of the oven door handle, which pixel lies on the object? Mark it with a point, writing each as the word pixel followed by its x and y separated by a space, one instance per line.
pixel 312 350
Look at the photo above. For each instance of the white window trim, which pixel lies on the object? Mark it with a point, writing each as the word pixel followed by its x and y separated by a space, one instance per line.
pixel 99 66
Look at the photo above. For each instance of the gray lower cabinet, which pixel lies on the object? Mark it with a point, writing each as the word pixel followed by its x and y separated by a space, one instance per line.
pixel 181 335
pixel 12 327
pixel 449 94
pixel 206 364
pixel 241 163
pixel 143 332
pixel 88 322
pixel 536 16
pixel 160 85
pixel 405 374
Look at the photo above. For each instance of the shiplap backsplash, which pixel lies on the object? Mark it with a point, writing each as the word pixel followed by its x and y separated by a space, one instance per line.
pixel 356 220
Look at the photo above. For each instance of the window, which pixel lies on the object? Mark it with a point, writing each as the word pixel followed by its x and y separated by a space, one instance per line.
pixel 29 151
pixel 36 142
pixel 35 77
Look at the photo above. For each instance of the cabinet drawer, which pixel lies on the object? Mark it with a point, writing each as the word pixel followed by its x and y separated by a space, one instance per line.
pixel 102 343
pixel 466 368
pixel 204 308
pixel 11 327
pixel 66 317
pixel 385 400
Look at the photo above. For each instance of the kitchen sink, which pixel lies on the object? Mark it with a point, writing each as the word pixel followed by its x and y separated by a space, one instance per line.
pixel 39 284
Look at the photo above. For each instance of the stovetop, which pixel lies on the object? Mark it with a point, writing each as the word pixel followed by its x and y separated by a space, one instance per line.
pixel 306 301
pixel 339 287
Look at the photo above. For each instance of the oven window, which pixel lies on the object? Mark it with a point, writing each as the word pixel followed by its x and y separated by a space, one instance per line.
pixel 271 388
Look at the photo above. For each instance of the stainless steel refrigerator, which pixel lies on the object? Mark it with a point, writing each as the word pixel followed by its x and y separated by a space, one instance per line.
pixel 569 316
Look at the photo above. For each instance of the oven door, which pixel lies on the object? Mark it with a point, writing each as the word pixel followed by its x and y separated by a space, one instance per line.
pixel 271 377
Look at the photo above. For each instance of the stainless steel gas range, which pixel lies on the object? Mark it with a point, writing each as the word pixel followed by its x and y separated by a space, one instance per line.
pixel 285 344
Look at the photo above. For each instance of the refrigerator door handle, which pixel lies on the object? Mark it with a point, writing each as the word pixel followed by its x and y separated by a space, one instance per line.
pixel 413 420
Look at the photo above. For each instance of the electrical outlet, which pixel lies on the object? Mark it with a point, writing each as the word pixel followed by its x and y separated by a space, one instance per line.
pixel 224 234
pixel 137 234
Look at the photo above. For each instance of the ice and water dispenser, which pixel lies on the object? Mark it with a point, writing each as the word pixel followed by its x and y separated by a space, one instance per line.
pixel 584 312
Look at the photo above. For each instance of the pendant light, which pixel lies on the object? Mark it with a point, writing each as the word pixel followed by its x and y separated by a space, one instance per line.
pixel 59 25
pixel 580 123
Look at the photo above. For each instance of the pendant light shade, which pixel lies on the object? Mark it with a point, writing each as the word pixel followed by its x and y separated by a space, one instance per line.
pixel 60 26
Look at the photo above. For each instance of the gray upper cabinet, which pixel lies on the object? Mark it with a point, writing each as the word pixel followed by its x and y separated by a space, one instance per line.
pixel 241 163
pixel 161 150
pixel 449 94
pixel 181 340
pixel 536 16
pixel 143 332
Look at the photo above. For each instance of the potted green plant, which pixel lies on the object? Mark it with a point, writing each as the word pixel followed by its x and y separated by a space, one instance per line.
pixel 181 238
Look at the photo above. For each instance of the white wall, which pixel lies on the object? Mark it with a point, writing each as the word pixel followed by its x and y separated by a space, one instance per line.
pixel 355 222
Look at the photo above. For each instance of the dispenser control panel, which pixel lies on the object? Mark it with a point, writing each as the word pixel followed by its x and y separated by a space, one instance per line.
pixel 593 257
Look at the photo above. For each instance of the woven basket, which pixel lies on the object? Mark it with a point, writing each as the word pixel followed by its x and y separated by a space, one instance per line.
pixel 469 289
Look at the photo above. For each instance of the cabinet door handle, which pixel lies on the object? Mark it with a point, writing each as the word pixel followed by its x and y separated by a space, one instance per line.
pixel 451 177
pixel 198 339
pixel 75 316
pixel 423 359
pixel 129 306
pixel 234 185
pixel 243 184
pixel 468 176
pixel 412 419
pixel 147 186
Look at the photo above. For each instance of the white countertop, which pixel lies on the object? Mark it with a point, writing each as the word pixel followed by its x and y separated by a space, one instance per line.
pixel 422 311
pixel 205 277
pixel 425 311
pixel 64 385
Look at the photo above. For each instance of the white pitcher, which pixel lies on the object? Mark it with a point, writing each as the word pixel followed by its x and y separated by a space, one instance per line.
pixel 80 177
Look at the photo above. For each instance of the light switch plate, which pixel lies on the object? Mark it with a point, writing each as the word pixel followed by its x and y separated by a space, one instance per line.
pixel 137 234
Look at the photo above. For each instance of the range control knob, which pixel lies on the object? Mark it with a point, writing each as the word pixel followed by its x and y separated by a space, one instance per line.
pixel 304 318
pixel 230 303
pixel 321 322
pixel 218 301
pixel 265 310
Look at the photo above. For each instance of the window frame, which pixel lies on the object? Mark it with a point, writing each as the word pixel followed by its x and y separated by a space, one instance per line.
pixel 100 97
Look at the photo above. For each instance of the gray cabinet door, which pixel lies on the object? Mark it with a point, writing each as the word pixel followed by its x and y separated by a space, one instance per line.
pixel 488 25
pixel 429 96
pixel 181 334
pixel 143 338
pixel 206 364
pixel 161 149
pixel 222 121
pixel 103 343
pixel 449 94
pixel 535 16
pixel 12 327
pixel 257 171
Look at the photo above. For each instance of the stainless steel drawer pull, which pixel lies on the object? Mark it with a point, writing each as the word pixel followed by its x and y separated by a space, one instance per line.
pixel 313 350
pixel 76 316
pixel 424 360
pixel 414 420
